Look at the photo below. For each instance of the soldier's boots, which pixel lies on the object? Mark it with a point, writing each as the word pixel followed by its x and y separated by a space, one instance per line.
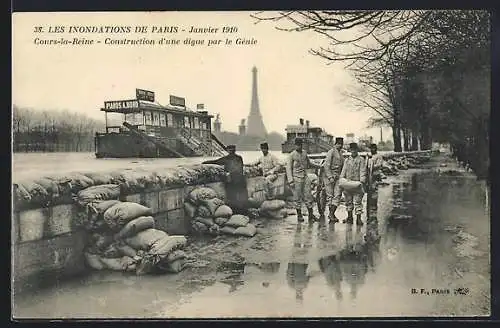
pixel 358 220
pixel 300 218
pixel 331 214
pixel 349 219
pixel 310 215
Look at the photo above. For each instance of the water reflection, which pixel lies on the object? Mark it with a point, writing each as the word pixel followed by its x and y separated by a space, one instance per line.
pixel 297 276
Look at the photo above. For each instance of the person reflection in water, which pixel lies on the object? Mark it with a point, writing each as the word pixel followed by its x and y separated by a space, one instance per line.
pixel 296 274
pixel 353 260
pixel 330 267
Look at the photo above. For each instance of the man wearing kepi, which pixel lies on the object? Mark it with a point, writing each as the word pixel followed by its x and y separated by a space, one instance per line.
pixel 235 182
pixel 331 172
pixel 269 165
pixel 297 179
pixel 354 170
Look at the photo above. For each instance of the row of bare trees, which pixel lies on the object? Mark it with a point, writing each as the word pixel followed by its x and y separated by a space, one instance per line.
pixel 424 73
pixel 51 131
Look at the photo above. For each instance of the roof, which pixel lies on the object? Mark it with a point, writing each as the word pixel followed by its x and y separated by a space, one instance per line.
pixel 143 104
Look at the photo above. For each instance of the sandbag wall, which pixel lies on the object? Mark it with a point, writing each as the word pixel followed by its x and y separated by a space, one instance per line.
pixel 48 235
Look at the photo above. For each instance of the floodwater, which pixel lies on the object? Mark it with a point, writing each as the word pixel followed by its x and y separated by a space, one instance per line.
pixel 35 165
pixel 426 255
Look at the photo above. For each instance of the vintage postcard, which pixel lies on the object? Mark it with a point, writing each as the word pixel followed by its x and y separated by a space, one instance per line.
pixel 274 164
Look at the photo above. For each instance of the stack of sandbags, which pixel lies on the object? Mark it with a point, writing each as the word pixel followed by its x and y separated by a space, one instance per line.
pixel 236 225
pixel 125 239
pixel 209 214
pixel 94 201
pixel 274 209
pixel 46 191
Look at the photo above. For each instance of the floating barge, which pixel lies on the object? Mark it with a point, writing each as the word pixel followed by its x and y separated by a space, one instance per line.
pixel 316 140
pixel 143 128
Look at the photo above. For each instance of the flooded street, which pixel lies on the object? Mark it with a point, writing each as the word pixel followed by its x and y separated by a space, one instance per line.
pixel 427 254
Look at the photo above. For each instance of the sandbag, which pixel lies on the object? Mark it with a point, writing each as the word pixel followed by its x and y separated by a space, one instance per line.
pixel 221 221
pixel 94 261
pixel 349 185
pixel 176 266
pixel 37 194
pixel 167 245
pixel 189 209
pixel 277 214
pixel 117 264
pixel 99 178
pixel 238 220
pixel 204 212
pixel 145 239
pixel 206 221
pixel 101 242
pixel 120 214
pixel 272 205
pixel 214 230
pixel 102 206
pixel 135 226
pixel 175 255
pixel 223 211
pixel 202 193
pixel 254 202
pixel 228 230
pixel 111 252
pixel 212 204
pixel 101 192
pixel 126 250
pixel 248 231
pixel 49 185
pixel 199 227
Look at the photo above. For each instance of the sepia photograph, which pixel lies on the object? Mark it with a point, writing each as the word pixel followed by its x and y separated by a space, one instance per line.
pixel 251 164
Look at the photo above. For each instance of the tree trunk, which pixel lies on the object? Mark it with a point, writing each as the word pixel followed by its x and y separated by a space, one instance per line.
pixel 414 141
pixel 396 136
pixel 405 140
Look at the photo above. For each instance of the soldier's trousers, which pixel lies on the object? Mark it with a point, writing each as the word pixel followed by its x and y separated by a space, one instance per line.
pixel 269 185
pixel 302 193
pixel 333 192
pixel 353 201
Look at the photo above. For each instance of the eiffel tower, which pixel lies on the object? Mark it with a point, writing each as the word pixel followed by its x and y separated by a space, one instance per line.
pixel 255 125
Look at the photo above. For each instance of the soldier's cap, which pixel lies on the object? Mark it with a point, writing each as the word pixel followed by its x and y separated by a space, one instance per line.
pixel 353 146
pixel 339 140
pixel 373 146
pixel 264 145
pixel 230 147
pixel 298 141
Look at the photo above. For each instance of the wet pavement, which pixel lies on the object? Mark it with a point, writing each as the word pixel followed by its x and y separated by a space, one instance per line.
pixel 427 254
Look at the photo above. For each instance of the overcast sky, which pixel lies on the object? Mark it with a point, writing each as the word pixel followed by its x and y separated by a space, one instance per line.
pixel 292 83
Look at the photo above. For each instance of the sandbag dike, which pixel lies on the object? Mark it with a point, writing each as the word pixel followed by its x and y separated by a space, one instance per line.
pixel 48 236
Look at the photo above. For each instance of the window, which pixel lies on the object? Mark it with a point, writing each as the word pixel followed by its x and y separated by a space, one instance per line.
pixel 156 118
pixel 162 119
pixel 148 118
pixel 186 122
pixel 170 119
pixel 196 123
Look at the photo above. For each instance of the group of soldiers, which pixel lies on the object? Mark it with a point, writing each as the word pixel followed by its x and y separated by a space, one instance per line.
pixel 331 170
pixel 334 168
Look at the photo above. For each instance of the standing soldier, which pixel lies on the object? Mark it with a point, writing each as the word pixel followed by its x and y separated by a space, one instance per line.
pixel 235 182
pixel 269 165
pixel 355 170
pixel 298 181
pixel 331 171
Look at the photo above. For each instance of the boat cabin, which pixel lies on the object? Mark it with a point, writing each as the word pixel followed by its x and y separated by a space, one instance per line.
pixel 315 139
pixel 143 128
pixel 157 120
